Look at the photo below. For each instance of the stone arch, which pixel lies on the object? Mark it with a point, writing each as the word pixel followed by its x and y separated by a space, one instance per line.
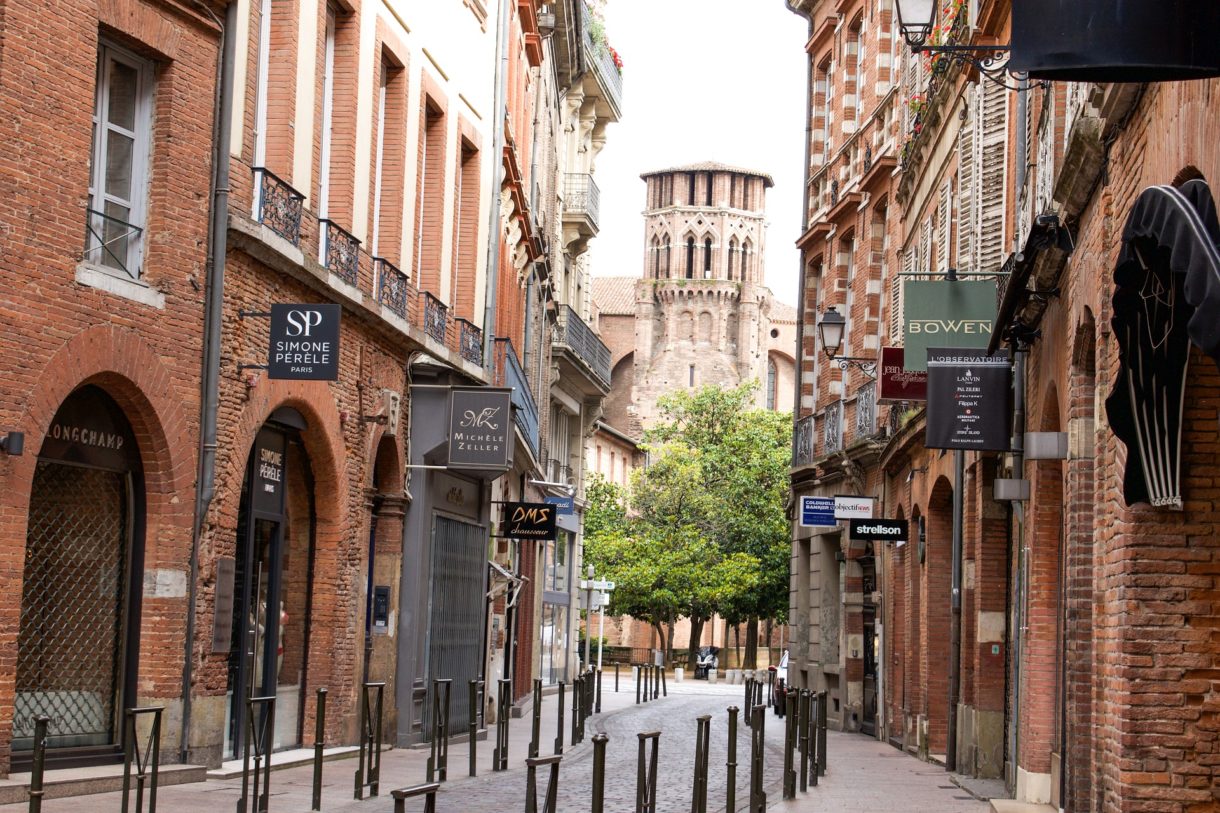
pixel 935 616
pixel 705 327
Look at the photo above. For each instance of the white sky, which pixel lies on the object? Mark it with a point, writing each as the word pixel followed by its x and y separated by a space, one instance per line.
pixel 704 80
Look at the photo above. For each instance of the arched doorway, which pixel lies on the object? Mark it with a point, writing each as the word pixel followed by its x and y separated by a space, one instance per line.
pixel 272 582
pixel 77 648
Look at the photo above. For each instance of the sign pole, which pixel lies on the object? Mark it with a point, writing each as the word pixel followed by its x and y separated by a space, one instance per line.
pixel 588 612
pixel 601 632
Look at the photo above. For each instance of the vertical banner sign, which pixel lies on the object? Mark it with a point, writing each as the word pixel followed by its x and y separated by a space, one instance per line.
pixel 529 520
pixel 304 342
pixel 968 400
pixel 480 428
pixel 946 314
pixel 897 382
pixel 268 475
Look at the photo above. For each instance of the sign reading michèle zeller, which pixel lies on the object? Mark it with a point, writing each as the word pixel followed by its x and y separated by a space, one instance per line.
pixel 480 428
pixel 529 520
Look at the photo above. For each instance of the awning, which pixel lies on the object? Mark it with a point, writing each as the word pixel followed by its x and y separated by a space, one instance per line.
pixel 1167 295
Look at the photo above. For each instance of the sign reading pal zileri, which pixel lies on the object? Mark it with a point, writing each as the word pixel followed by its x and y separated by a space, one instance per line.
pixel 480 428
pixel 945 313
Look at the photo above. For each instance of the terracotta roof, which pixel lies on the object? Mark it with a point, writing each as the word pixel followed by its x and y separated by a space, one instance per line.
pixel 712 166
pixel 615 296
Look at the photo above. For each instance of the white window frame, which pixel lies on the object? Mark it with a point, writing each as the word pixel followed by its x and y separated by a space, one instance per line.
pixel 137 204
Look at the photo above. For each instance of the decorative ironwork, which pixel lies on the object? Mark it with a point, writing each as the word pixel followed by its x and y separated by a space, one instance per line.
pixel 894 419
pixel 832 427
pixel 510 374
pixel 574 333
pixel 470 341
pixel 436 318
pixel 802 449
pixel 864 365
pixel 340 252
pixel 581 196
pixel 279 205
pixel 834 191
pixel 112 246
pixel 597 56
pixel 866 410
pixel 868 157
pixel 393 287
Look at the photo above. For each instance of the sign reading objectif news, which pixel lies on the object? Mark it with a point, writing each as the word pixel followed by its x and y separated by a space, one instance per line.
pixel 968 399
pixel 849 507
pixel 304 342
pixel 480 428
pixel 945 313
pixel 878 530
pixel 898 383
pixel 529 520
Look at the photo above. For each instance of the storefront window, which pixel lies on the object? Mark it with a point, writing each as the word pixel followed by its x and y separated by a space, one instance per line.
pixel 555 607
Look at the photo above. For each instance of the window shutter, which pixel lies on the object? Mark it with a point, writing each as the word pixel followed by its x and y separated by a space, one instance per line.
pixel 944 229
pixel 993 187
pixel 924 263
pixel 896 302
pixel 966 194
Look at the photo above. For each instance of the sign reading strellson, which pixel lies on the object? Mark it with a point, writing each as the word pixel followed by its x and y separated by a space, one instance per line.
pixel 304 342
pixel 945 314
pixel 529 520
pixel 968 400
pixel 878 530
pixel 480 428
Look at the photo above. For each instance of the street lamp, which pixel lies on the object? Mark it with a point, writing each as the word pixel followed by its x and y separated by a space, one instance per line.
pixel 830 330
pixel 917 18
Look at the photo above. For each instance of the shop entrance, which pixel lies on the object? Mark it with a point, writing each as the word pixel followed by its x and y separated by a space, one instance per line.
pixel 79 630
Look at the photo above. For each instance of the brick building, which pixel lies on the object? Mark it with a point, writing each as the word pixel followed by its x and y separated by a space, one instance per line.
pixel 1084 608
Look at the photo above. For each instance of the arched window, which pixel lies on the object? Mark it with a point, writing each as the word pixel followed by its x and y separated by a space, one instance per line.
pixel 667 252
pixel 656 257
pixel 707 258
pixel 745 261
pixel 732 253
pixel 772 383
pixel 690 256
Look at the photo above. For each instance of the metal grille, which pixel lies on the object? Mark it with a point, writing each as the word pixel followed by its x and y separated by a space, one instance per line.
pixel 455 630
pixel 72 606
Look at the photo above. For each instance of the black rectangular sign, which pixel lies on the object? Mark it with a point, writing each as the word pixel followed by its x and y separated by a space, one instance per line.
pixel 529 520
pixel 304 342
pixel 878 530
pixel 968 399
pixel 480 428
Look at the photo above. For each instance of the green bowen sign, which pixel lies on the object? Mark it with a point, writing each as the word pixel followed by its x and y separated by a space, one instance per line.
pixel 946 313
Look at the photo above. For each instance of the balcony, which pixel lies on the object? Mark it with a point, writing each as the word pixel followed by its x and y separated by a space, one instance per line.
pixel 581 202
pixel 279 205
pixel 393 287
pixel 802 442
pixel 573 335
pixel 436 318
pixel 599 61
pixel 866 410
pixel 340 252
pixel 470 340
pixel 832 428
pixel 508 373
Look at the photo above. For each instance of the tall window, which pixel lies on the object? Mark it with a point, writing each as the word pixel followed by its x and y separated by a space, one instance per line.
pixel 466 240
pixel 118 180
pixel 690 192
pixel 732 254
pixel 667 253
pixel 656 257
pixel 772 382
pixel 707 258
pixel 388 170
pixel 745 261
pixel 328 115
pixel 429 197
pixel 732 190
pixel 745 193
pixel 690 258
pixel 707 197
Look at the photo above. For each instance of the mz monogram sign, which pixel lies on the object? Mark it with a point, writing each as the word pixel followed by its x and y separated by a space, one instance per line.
pixel 480 428
pixel 304 342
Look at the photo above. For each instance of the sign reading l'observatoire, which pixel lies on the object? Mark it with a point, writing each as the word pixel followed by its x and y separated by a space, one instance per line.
pixel 968 400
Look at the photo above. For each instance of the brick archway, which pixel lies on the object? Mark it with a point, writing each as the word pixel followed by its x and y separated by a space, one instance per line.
pixel 936 614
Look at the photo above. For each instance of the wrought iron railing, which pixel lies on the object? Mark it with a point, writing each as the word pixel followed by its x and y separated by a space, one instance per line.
pixel 436 318
pixel 108 241
pixel 339 251
pixel 802 441
pixel 832 427
pixel 574 333
pixel 598 57
pixel 581 195
pixel 393 287
pixel 279 205
pixel 509 374
pixel 470 341
pixel 866 410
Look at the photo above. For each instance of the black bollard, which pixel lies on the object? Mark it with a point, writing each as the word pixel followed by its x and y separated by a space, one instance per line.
pixel 536 728
pixel 822 733
pixel 599 691
pixel 790 734
pixel 599 772
pixel 499 756
pixel 319 744
pixel 616 665
pixel 703 735
pixel 368 773
pixel 531 783
pixel 730 764
pixel 427 791
pixel 811 739
pixel 639 676
pixel 260 731
pixel 758 798
pixel 646 773
pixel 438 759
pixel 802 722
pixel 559 728
pixel 749 696
pixel 472 729
pixel 658 674
pixel 644 673
pixel 664 690
pixel 577 687
pixel 147 760
pixel 40 756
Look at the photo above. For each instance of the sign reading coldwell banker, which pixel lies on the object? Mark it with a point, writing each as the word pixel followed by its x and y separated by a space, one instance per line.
pixel 480 428
pixel 304 342
pixel 968 399
pixel 945 314
pixel 878 530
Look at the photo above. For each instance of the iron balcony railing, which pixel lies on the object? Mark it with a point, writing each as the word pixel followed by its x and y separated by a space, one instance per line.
pixel 509 374
pixel 802 441
pixel 832 428
pixel 581 196
pixel 598 58
pixel 470 340
pixel 279 205
pixel 339 252
pixel 866 410
pixel 436 318
pixel 573 333
pixel 393 287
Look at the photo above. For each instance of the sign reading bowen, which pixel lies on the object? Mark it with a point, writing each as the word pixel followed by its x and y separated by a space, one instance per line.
pixel 945 313
pixel 874 530
pixel 304 342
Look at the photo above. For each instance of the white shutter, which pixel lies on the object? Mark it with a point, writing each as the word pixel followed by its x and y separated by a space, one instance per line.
pixel 896 301
pixel 993 186
pixel 924 263
pixel 966 194
pixel 944 228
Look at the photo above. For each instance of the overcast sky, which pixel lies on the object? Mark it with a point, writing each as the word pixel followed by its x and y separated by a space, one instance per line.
pixel 704 80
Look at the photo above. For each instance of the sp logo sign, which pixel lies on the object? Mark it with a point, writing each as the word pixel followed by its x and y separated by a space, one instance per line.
pixel 303 322
pixel 304 342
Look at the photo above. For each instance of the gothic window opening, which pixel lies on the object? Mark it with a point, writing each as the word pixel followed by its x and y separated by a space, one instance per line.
pixel 732 253
pixel 707 258
pixel 707 197
pixel 690 258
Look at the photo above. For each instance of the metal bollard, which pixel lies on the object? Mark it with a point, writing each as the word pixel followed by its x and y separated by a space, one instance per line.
pixel 438 759
pixel 639 676
pixel 703 735
pixel 531 783
pixel 40 756
pixel 599 691
pixel 811 739
pixel 730 764
pixel 664 689
pixel 822 733
pixel 646 773
pixel 147 761
pixel 749 696
pixel 770 688
pixel 260 731
pixel 559 728
pixel 368 773
pixel 790 735
pixel 758 798
pixel 658 675
pixel 599 772
pixel 802 728
pixel 319 744
pixel 643 673
pixel 616 665
pixel 499 756
pixel 428 791
pixel 590 695
pixel 536 727
pixel 476 689
pixel 577 687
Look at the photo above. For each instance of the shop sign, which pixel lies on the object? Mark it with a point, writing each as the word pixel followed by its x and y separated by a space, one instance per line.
pixel 88 431
pixel 268 476
pixel 480 428
pixel 945 314
pixel 878 530
pixel 968 399
pixel 849 507
pixel 304 342
pixel 898 383
pixel 529 520
pixel 565 505
pixel 817 512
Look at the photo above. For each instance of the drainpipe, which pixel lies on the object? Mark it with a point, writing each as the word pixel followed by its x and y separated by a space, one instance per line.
pixel 497 179
pixel 218 231
pixel 800 305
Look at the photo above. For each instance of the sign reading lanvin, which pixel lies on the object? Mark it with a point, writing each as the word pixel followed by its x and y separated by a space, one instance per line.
pixel 878 530
pixel 945 314
pixel 304 342
pixel 529 520
pixel 968 399
pixel 480 428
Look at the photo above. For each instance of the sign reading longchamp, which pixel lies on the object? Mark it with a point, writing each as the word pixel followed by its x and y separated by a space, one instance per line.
pixel 480 428
pixel 304 342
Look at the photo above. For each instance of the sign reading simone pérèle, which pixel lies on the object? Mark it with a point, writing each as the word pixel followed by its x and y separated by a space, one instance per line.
pixel 968 399
pixel 897 382
pixel 875 530
pixel 480 428
pixel 529 520
pixel 304 342
pixel 945 313
pixel 267 482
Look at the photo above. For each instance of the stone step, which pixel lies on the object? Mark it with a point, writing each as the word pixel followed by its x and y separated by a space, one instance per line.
pixel 1013 806
pixel 293 758
pixel 64 782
